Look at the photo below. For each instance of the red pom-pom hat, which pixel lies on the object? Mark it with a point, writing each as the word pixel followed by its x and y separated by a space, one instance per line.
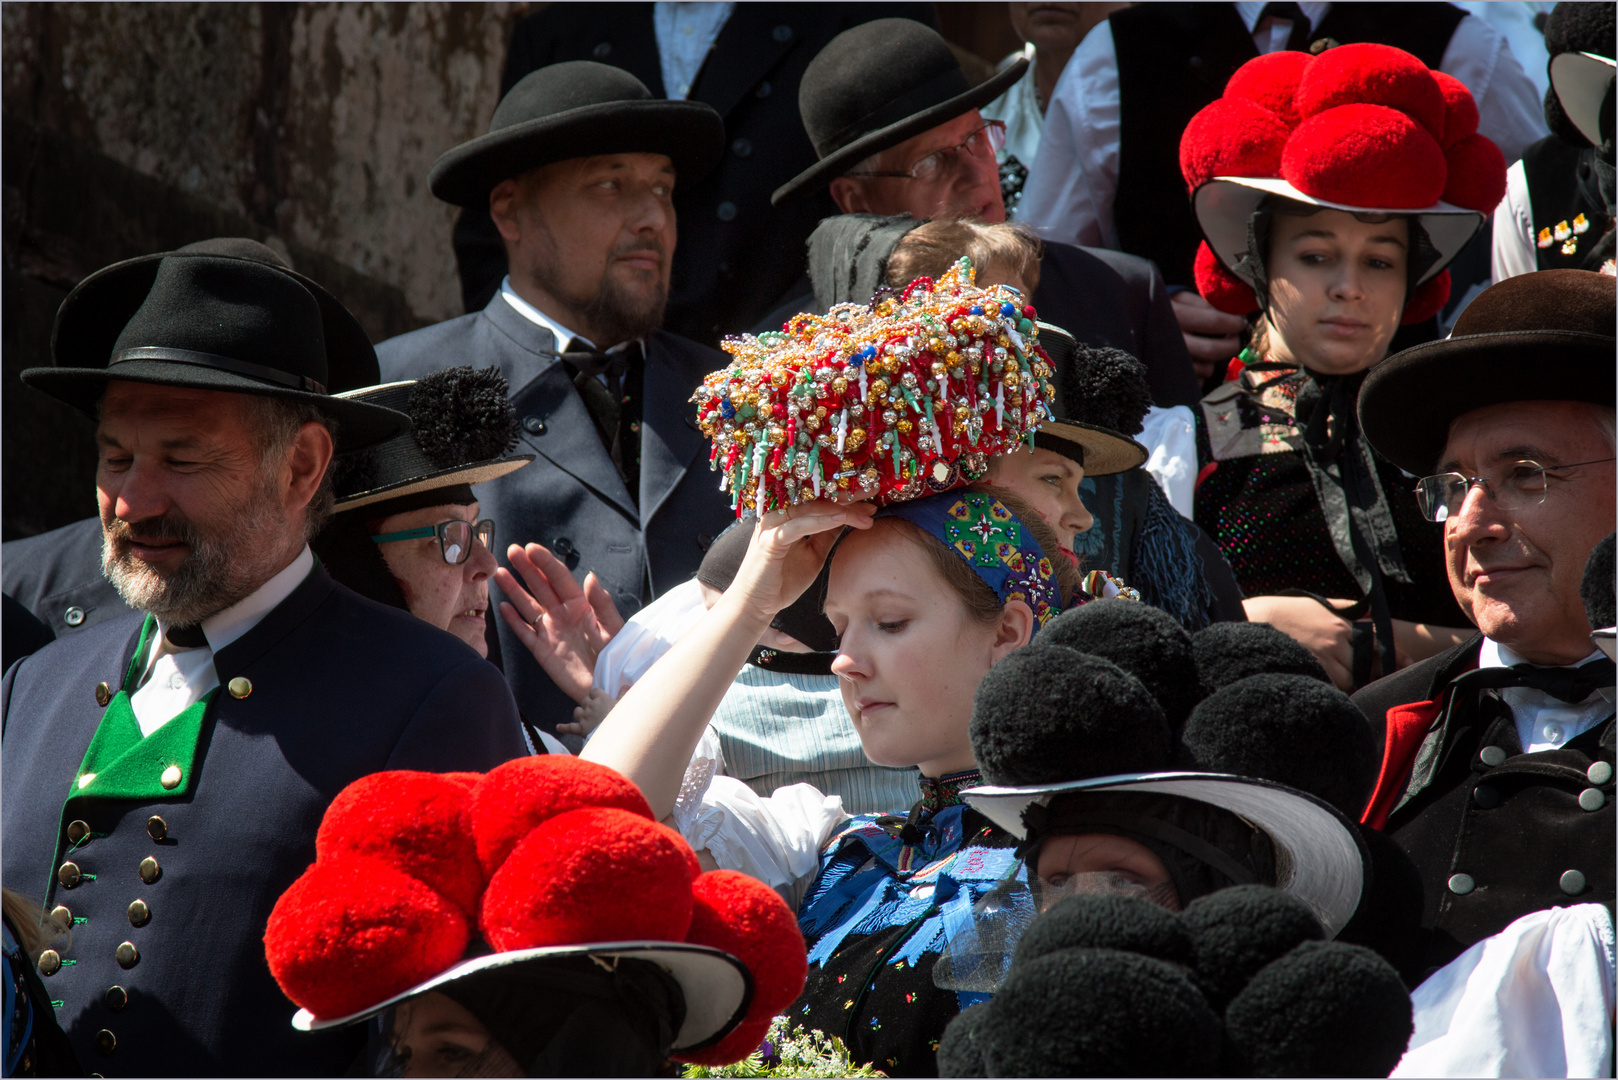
pixel 1366 129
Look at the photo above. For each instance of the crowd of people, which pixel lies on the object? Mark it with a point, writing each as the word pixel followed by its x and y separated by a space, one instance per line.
pixel 1130 593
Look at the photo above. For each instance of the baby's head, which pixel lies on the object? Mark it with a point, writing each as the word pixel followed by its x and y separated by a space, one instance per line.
pixel 1002 254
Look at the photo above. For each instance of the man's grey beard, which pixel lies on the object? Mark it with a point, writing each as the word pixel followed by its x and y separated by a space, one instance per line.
pixel 613 313
pixel 222 568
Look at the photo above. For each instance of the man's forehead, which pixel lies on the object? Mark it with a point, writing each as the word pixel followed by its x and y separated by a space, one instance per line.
pixel 204 410
pixel 1512 429
pixel 949 133
pixel 631 162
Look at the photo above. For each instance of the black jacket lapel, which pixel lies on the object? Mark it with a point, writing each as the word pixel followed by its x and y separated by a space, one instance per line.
pixel 750 48
pixel 670 442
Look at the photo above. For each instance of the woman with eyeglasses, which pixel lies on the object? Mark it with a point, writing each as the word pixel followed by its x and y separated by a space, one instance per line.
pixel 1333 191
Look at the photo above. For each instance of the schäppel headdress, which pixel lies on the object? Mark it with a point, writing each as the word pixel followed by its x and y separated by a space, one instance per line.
pixel 910 394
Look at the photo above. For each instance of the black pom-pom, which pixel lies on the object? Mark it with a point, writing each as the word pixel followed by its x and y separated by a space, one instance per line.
pixel 463 416
pixel 1237 931
pixel 1099 1012
pixel 1291 729
pixel 1048 713
pixel 1228 652
pixel 1108 388
pixel 1324 1009
pixel 960 1051
pixel 1106 922
pixel 1388 919
pixel 1144 640
pixel 1596 589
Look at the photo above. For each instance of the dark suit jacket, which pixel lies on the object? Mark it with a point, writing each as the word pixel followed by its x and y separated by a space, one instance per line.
pixel 571 498
pixel 737 255
pixel 57 576
pixel 341 687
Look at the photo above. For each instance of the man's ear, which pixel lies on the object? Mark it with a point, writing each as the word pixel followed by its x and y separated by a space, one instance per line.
pixel 306 463
pixel 849 195
pixel 1015 629
pixel 502 208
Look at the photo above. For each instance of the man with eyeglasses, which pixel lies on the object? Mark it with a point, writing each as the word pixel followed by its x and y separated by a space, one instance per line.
pixel 1497 775
pixel 897 130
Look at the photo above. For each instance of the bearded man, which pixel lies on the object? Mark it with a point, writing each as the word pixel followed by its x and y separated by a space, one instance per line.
pixel 578 171
pixel 165 771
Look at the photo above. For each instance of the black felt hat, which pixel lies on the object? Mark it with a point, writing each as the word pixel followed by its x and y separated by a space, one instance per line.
pixel 1103 449
pixel 464 428
pixel 208 322
pixel 802 619
pixel 876 85
pixel 1545 336
pixel 573 110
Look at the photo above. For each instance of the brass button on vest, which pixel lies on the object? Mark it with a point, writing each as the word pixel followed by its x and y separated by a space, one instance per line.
pixel 77 831
pixel 149 870
pixel 239 687
pixel 61 917
pixel 156 827
pixel 50 962
pixel 115 998
pixel 128 956
pixel 105 1041
pixel 103 694
pixel 139 913
pixel 68 874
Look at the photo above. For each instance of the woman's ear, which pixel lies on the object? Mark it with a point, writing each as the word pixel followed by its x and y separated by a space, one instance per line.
pixel 1015 629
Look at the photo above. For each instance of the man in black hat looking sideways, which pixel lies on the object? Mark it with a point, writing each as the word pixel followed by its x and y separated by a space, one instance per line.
pixel 578 171
pixel 164 771
pixel 1497 773
pixel 897 130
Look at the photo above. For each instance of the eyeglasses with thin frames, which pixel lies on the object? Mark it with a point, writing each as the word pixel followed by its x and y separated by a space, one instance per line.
pixel 1520 484
pixel 454 537
pixel 984 144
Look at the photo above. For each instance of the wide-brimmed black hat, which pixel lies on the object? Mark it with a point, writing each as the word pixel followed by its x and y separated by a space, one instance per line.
pixel 1545 336
pixel 574 110
pixel 876 85
pixel 1101 450
pixel 463 430
pixel 207 322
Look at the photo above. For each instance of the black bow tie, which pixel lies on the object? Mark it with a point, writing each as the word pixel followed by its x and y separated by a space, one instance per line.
pixel 1569 684
pixel 1298 37
pixel 593 363
pixel 186 637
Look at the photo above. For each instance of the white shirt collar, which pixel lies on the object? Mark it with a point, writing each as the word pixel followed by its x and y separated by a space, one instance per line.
pixel 225 627
pixel 564 336
pixel 1250 13
pixel 1493 654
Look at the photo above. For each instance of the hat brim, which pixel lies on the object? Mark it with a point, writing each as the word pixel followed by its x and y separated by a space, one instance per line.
pixel 1320 857
pixel 358 425
pixel 1409 400
pixel 1104 451
pixel 110 297
pixel 717 986
pixel 1607 641
pixel 688 132
pixel 480 472
pixel 1580 80
pixel 841 160
pixel 1225 204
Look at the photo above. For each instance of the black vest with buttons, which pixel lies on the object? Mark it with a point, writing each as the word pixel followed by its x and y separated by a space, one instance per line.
pixel 1174 59
pixel 1497 833
pixel 1561 186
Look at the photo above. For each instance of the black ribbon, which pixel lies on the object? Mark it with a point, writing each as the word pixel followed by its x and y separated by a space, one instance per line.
pixel 186 637
pixel 1569 684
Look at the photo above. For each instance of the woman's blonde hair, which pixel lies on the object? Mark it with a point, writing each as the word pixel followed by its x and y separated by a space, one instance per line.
pixel 931 249
pixel 27 921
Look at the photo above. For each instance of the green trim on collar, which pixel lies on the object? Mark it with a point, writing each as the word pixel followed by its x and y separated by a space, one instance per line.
pixel 123 764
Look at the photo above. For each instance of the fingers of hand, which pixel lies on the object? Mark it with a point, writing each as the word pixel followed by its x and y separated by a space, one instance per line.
pixel 536 580
pixel 556 573
pixel 524 627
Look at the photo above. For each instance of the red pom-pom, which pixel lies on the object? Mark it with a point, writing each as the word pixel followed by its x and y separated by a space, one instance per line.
pixel 748 919
pixel 1365 155
pixel 1370 74
pixel 1272 82
pixel 1219 286
pixel 1460 111
pixel 468 780
pixel 748 1037
pixel 522 793
pixel 599 874
pixel 1428 299
pixel 349 934
pixel 416 822
pixel 1476 174
pixel 1231 137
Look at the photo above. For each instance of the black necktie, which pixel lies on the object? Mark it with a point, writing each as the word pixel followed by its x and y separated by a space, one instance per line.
pixel 1298 38
pixel 186 637
pixel 614 404
pixel 1569 684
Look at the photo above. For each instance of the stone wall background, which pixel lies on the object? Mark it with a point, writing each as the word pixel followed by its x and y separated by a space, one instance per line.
pixel 134 128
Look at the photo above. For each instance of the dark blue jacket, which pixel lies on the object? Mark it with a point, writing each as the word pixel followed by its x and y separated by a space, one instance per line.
pixel 571 499
pixel 341 687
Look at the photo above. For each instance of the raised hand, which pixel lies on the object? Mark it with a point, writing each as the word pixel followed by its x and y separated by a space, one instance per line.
pixel 564 626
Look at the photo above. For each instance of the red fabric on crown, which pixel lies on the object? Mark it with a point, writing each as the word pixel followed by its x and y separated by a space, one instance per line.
pixel 1371 74
pixel 1219 286
pixel 1428 299
pixel 1477 174
pixel 1231 137
pixel 414 821
pixel 596 874
pixel 1365 155
pixel 349 934
pixel 1272 81
pixel 1460 111
pixel 515 797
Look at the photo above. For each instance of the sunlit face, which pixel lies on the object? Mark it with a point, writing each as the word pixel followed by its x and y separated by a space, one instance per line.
pixel 1095 862
pixel 1517 573
pixel 911 657
pixel 970 188
pixel 1049 482
pixel 437 1036
pixel 450 597
pixel 1337 289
